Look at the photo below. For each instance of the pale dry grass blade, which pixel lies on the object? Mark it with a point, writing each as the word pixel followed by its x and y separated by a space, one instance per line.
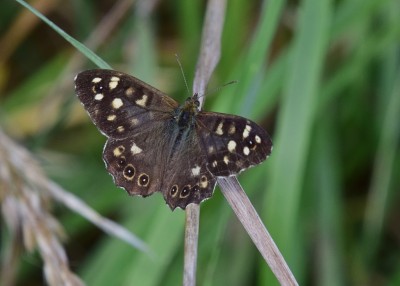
pixel 251 221
pixel 208 59
pixel 25 197
pixel 26 211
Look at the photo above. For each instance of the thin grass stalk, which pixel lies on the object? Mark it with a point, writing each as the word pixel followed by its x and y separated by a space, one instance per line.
pixel 251 221
pixel 25 208
pixel 210 52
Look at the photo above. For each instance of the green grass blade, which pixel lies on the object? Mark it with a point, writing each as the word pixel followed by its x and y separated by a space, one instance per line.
pixel 377 206
pixel 252 64
pixel 295 121
pixel 81 47
pixel 327 210
pixel 165 239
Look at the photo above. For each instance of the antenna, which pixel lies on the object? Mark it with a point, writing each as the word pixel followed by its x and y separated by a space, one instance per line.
pixel 219 87
pixel 183 74
pixel 207 92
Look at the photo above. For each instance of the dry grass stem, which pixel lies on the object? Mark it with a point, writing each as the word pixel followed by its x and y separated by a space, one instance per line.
pixel 210 49
pixel 80 207
pixel 191 241
pixel 25 207
pixel 25 196
pixel 208 59
pixel 248 216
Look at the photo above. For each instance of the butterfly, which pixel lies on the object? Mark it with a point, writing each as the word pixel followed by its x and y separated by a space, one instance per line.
pixel 154 144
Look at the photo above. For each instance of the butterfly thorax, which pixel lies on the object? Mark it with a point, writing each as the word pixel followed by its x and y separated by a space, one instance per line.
pixel 185 115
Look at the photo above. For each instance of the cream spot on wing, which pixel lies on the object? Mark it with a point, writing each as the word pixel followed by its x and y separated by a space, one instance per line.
pixel 231 146
pixel 129 91
pixel 134 121
pixel 120 129
pixel 114 82
pixel 99 96
pixel 203 182
pixel 135 149
pixel 226 160
pixel 214 164
pixel 246 131
pixel 211 149
pixel 196 171
pixel 96 80
pixel 246 150
pixel 111 117
pixel 118 151
pixel 258 139
pixel 219 129
pixel 117 103
pixel 142 102
pixel 232 129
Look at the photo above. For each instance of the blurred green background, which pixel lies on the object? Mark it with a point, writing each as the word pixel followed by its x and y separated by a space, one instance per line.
pixel 322 77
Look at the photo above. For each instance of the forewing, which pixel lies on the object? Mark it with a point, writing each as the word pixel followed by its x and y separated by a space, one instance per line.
pixel 120 104
pixel 231 143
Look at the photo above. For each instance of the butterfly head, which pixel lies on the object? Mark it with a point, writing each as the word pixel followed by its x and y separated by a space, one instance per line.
pixel 185 115
pixel 193 102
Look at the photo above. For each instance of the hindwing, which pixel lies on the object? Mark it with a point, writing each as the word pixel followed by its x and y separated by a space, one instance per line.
pixel 231 143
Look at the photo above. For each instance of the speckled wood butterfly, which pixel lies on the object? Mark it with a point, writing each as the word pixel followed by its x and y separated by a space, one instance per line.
pixel 155 144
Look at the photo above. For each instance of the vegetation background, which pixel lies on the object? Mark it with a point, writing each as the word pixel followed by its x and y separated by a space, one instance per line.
pixel 322 76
